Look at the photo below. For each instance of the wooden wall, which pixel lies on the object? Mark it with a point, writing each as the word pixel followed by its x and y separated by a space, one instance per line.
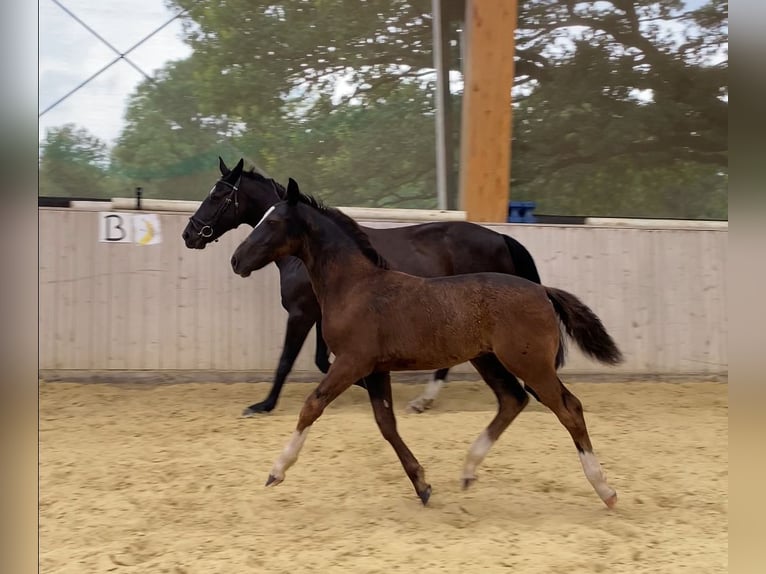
pixel 660 292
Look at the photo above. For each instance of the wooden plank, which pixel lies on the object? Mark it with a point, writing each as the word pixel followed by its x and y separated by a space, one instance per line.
pixel 101 312
pixel 206 304
pixel 136 319
pixel 220 302
pixel 151 301
pixel 721 273
pixel 85 241
pixel 119 304
pixel 485 155
pixel 169 294
pixel 48 250
pixel 714 301
pixel 65 290
pixel 691 279
pixel 240 315
pixel 611 305
pixel 638 254
pixel 186 284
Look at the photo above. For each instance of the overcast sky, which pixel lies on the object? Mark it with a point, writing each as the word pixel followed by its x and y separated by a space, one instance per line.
pixel 68 54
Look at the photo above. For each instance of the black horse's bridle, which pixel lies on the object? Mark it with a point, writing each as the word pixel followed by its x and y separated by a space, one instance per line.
pixel 206 229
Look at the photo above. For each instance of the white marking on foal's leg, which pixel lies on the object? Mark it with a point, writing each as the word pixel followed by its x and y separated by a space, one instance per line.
pixel 475 456
pixel 424 401
pixel 287 457
pixel 596 476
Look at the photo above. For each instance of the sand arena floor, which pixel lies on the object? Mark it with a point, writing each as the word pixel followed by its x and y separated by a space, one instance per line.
pixel 169 479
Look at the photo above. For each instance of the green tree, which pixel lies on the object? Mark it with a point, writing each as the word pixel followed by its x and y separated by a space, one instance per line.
pixel 74 163
pixel 579 67
pixel 368 154
pixel 621 106
pixel 580 149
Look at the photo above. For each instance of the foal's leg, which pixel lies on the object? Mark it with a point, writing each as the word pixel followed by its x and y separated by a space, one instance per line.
pixel 379 389
pixel 298 326
pixel 511 400
pixel 425 400
pixel 568 408
pixel 342 374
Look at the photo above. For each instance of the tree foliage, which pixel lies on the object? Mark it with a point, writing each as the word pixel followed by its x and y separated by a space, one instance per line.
pixel 73 163
pixel 620 106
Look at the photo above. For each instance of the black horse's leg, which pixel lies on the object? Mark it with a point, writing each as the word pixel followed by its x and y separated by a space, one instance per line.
pixel 426 399
pixel 379 389
pixel 322 355
pixel 298 327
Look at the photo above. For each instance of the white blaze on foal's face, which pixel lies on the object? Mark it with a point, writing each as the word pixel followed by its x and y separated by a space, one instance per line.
pixel 265 215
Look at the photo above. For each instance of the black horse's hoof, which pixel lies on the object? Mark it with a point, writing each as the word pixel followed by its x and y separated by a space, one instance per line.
pixel 425 495
pixel 259 408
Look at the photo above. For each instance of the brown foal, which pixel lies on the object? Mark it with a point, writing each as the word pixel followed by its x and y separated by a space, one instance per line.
pixel 377 320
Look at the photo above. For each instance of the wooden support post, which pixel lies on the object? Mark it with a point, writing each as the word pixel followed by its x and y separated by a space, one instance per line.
pixel 485 143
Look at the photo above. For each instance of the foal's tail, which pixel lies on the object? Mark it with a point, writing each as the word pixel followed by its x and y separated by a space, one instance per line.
pixel 584 327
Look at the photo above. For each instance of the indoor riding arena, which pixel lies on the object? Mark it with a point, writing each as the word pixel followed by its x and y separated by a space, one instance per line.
pixel 147 466
pixel 423 181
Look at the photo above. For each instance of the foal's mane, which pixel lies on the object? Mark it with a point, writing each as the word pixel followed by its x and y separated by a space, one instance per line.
pixel 349 227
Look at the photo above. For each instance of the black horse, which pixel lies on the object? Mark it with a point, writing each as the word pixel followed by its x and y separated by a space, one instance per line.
pixel 426 250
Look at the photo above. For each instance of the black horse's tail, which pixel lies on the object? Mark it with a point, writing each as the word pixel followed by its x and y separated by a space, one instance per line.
pixel 584 327
pixel 522 260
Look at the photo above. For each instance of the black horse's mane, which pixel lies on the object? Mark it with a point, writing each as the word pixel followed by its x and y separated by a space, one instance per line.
pixel 346 224
pixel 253 174
pixel 349 227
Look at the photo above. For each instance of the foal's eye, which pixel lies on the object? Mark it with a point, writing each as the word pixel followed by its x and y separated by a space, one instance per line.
pixel 271 222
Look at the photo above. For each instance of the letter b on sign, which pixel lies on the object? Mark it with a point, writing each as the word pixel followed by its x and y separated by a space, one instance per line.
pixel 114 227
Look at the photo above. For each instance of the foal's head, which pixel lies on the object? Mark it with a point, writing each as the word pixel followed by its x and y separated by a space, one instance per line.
pixel 291 227
pixel 238 197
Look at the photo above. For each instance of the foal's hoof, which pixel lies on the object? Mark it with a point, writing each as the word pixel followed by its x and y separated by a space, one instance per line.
pixel 425 495
pixel 258 408
pixel 468 482
pixel 273 480
pixel 611 501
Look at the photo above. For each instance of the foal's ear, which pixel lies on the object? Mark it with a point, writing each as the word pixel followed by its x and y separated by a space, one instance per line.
pixel 293 193
pixel 222 166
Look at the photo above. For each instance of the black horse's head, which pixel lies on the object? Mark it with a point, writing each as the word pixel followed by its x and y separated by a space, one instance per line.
pixel 238 197
pixel 279 233
pixel 219 211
